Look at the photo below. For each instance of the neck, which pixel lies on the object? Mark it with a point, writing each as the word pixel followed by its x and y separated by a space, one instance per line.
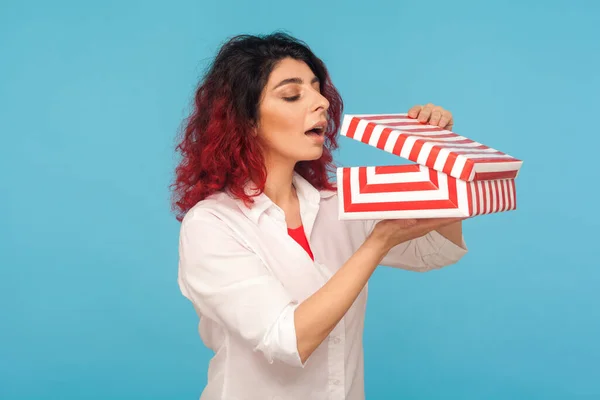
pixel 279 187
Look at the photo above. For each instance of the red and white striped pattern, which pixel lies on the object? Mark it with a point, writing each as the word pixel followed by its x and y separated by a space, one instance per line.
pixel 415 191
pixel 428 145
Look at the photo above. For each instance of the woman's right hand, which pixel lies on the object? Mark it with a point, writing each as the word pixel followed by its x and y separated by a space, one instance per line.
pixel 391 232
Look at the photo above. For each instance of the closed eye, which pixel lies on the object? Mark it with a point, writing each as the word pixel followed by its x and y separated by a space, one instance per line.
pixel 293 98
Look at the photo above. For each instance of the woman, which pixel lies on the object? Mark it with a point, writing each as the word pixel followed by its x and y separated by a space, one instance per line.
pixel 279 283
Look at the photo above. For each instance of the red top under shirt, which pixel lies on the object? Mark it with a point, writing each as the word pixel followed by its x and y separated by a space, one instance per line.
pixel 299 236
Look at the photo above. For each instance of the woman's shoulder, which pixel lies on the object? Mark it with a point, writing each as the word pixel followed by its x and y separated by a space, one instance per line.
pixel 327 193
pixel 211 208
pixel 329 200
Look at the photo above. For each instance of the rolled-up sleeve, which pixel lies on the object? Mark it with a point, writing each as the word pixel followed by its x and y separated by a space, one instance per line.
pixel 228 283
pixel 428 252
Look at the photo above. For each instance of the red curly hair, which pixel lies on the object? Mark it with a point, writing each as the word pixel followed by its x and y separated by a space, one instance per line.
pixel 216 144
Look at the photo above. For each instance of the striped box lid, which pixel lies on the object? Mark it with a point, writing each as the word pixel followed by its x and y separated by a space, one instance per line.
pixel 431 146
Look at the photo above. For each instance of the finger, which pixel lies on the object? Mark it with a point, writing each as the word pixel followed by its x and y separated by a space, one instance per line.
pixel 405 223
pixel 434 223
pixel 446 121
pixel 411 222
pixel 450 221
pixel 414 111
pixel 436 115
pixel 425 113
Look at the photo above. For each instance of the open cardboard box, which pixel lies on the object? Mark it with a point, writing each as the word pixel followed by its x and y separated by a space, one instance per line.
pixel 453 176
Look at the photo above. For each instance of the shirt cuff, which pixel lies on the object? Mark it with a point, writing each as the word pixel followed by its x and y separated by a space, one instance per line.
pixel 280 341
pixel 448 252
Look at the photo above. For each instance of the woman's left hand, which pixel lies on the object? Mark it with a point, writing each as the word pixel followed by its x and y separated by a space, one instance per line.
pixel 432 115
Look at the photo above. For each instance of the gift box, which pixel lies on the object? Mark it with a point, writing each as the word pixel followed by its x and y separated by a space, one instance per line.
pixel 451 175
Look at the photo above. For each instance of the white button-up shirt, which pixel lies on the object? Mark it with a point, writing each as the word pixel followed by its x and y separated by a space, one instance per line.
pixel 245 276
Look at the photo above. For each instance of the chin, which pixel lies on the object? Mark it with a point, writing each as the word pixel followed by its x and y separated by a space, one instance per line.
pixel 314 155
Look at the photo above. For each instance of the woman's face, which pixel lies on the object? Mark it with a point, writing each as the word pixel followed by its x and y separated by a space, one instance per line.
pixel 292 105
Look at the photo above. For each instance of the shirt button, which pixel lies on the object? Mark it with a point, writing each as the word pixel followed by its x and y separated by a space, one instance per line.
pixel 336 340
pixel 337 382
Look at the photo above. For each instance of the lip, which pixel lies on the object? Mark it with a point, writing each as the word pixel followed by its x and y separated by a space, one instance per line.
pixel 319 139
pixel 321 124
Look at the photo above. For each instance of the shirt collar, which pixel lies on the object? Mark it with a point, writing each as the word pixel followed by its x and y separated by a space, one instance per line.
pixel 306 192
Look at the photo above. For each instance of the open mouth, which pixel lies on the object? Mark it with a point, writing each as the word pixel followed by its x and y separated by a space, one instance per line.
pixel 318 131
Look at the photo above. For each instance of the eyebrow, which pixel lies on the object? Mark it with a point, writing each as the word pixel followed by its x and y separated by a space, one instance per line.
pixel 295 80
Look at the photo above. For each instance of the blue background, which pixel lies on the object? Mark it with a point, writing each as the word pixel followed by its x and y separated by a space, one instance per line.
pixel 93 93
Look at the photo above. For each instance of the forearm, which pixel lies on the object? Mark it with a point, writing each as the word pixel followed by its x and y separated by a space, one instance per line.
pixel 316 317
pixel 452 232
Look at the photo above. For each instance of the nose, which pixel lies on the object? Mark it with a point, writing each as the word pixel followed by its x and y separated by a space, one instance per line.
pixel 321 103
